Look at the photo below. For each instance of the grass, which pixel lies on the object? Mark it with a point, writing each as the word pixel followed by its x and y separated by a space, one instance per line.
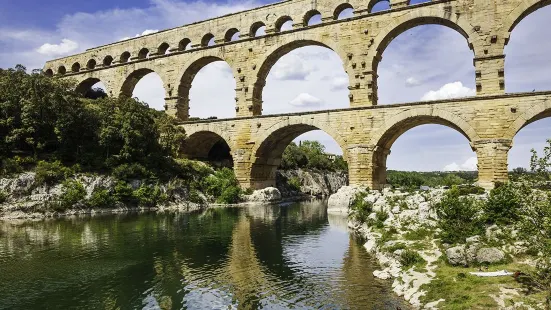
pixel 464 291
pixel 419 234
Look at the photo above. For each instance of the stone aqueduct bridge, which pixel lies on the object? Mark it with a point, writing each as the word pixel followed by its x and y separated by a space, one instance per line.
pixel 364 131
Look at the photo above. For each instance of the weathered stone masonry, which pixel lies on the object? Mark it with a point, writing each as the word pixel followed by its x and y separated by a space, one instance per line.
pixel 365 131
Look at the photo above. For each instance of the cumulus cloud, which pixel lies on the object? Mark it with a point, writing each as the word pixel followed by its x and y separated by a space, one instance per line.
pixel 339 82
pixel 65 47
pixel 306 100
pixel 144 33
pixel 411 81
pixel 448 91
pixel 291 67
pixel 469 165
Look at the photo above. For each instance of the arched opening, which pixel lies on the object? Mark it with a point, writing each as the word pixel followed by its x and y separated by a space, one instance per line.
pixel 417 66
pixel 532 136
pixel 208 146
pixel 258 29
pixel 92 88
pixel 378 6
pixel 205 77
pixel 49 73
pixel 414 2
pixel 61 70
pixel 75 67
pixel 184 45
pixel 269 155
pixel 207 40
pixel 231 35
pixel 428 145
pixel 527 69
pixel 124 57
pixel 343 11
pixel 311 18
pixel 143 53
pixel 284 23
pixel 163 49
pixel 301 76
pixel 147 86
pixel 91 64
pixel 107 61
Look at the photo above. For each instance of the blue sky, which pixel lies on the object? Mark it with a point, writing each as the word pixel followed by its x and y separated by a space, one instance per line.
pixel 426 62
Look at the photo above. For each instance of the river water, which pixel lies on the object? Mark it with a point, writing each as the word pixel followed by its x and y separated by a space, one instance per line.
pixel 268 257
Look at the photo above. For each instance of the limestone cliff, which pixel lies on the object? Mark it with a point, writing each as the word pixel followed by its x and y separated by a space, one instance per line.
pixel 312 182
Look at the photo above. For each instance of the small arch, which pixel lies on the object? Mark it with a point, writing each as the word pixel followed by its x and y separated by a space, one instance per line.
pixel 143 53
pixel 184 44
pixel 231 35
pixel 257 29
pixel 378 6
pixel 163 48
pixel 61 70
pixel 85 86
pixel 208 146
pixel 91 64
pixel 107 61
pixel 49 73
pixel 342 11
pixel 75 67
pixel 312 17
pixel 124 57
pixel 284 23
pixel 132 79
pixel 207 40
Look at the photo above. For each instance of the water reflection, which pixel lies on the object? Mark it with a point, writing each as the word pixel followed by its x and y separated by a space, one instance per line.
pixel 271 257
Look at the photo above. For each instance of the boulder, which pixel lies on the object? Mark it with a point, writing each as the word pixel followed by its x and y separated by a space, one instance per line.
pixel 473 239
pixel 265 195
pixel 489 256
pixel 493 233
pixel 456 255
pixel 342 199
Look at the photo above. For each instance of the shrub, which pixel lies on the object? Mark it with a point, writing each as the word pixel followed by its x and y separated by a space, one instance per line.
pixel 470 190
pixel 194 196
pixel 419 234
pixel 503 205
pixel 361 209
pixel 149 196
pixel 10 166
pixel 73 192
pixel 229 195
pixel 459 217
pixel 131 172
pixel 294 184
pixel 3 197
pixel 51 173
pixel 101 198
pixel 124 192
pixel 380 217
pixel 223 183
pixel 410 258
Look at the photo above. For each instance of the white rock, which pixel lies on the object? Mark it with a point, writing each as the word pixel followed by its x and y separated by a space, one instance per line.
pixel 340 201
pixel 456 255
pixel 490 255
pixel 381 274
pixel 473 239
pixel 265 195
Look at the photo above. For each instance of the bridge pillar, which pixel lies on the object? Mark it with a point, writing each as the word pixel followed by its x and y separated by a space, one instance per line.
pixel 367 166
pixel 362 82
pixel 490 72
pixel 492 161
pixel 177 107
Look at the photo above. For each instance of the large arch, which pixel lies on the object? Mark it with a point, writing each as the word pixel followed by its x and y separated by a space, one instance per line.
pixel 274 55
pixel 524 9
pixel 132 79
pixel 269 147
pixel 207 145
pixel 536 112
pixel 383 139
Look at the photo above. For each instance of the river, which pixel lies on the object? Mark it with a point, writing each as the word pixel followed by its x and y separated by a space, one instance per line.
pixel 263 257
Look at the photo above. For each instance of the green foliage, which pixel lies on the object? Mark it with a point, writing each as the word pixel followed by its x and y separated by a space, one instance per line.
pixel 311 155
pixel 230 195
pixel 294 183
pixel 410 258
pixel 394 247
pixel 149 196
pixel 541 166
pixel 132 171
pixel 101 198
pixel 470 190
pixel 10 166
pixel 361 209
pixel 419 234
pixel 380 217
pixel 503 205
pixel 3 197
pixel 223 186
pixel 413 179
pixel 51 173
pixel 459 217
pixel 73 192
pixel 124 193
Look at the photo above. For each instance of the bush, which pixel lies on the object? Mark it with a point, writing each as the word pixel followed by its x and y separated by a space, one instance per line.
pixel 124 192
pixel 503 205
pixel 10 166
pixel 361 209
pixel 101 198
pixel 194 196
pixel 131 172
pixel 380 217
pixel 470 190
pixel 410 258
pixel 51 173
pixel 230 195
pixel 149 196
pixel 3 197
pixel 73 192
pixel 223 183
pixel 459 217
pixel 294 184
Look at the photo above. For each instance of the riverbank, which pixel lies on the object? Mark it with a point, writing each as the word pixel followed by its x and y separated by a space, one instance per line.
pixel 405 232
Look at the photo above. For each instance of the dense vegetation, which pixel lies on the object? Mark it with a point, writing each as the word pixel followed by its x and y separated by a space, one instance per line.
pixel 414 179
pixel 310 155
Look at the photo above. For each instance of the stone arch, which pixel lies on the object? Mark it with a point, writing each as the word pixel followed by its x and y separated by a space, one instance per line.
pixel 125 57
pixel 536 112
pixel 279 51
pixel 254 28
pixel 268 149
pixel 230 33
pixel 75 67
pixel 203 139
pixel 280 21
pixel 383 139
pixel 61 70
pixel 107 61
pixel 525 8
pixel 86 84
pixel 206 39
pixel 163 48
pixel 308 16
pixel 143 53
pixel 372 4
pixel 91 64
pixel 49 73
pixel 184 44
pixel 132 79
pixel 341 7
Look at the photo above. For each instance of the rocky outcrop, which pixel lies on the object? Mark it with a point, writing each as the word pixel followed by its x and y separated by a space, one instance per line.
pixel 312 182
pixel 268 194
pixel 342 199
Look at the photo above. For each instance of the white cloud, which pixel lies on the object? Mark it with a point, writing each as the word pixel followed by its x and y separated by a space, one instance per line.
pixel 65 47
pixel 306 100
pixel 339 82
pixel 292 67
pixel 144 33
pixel 448 91
pixel 411 81
pixel 469 165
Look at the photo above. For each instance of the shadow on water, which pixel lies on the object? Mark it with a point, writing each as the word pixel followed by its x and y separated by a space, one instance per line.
pixel 294 256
